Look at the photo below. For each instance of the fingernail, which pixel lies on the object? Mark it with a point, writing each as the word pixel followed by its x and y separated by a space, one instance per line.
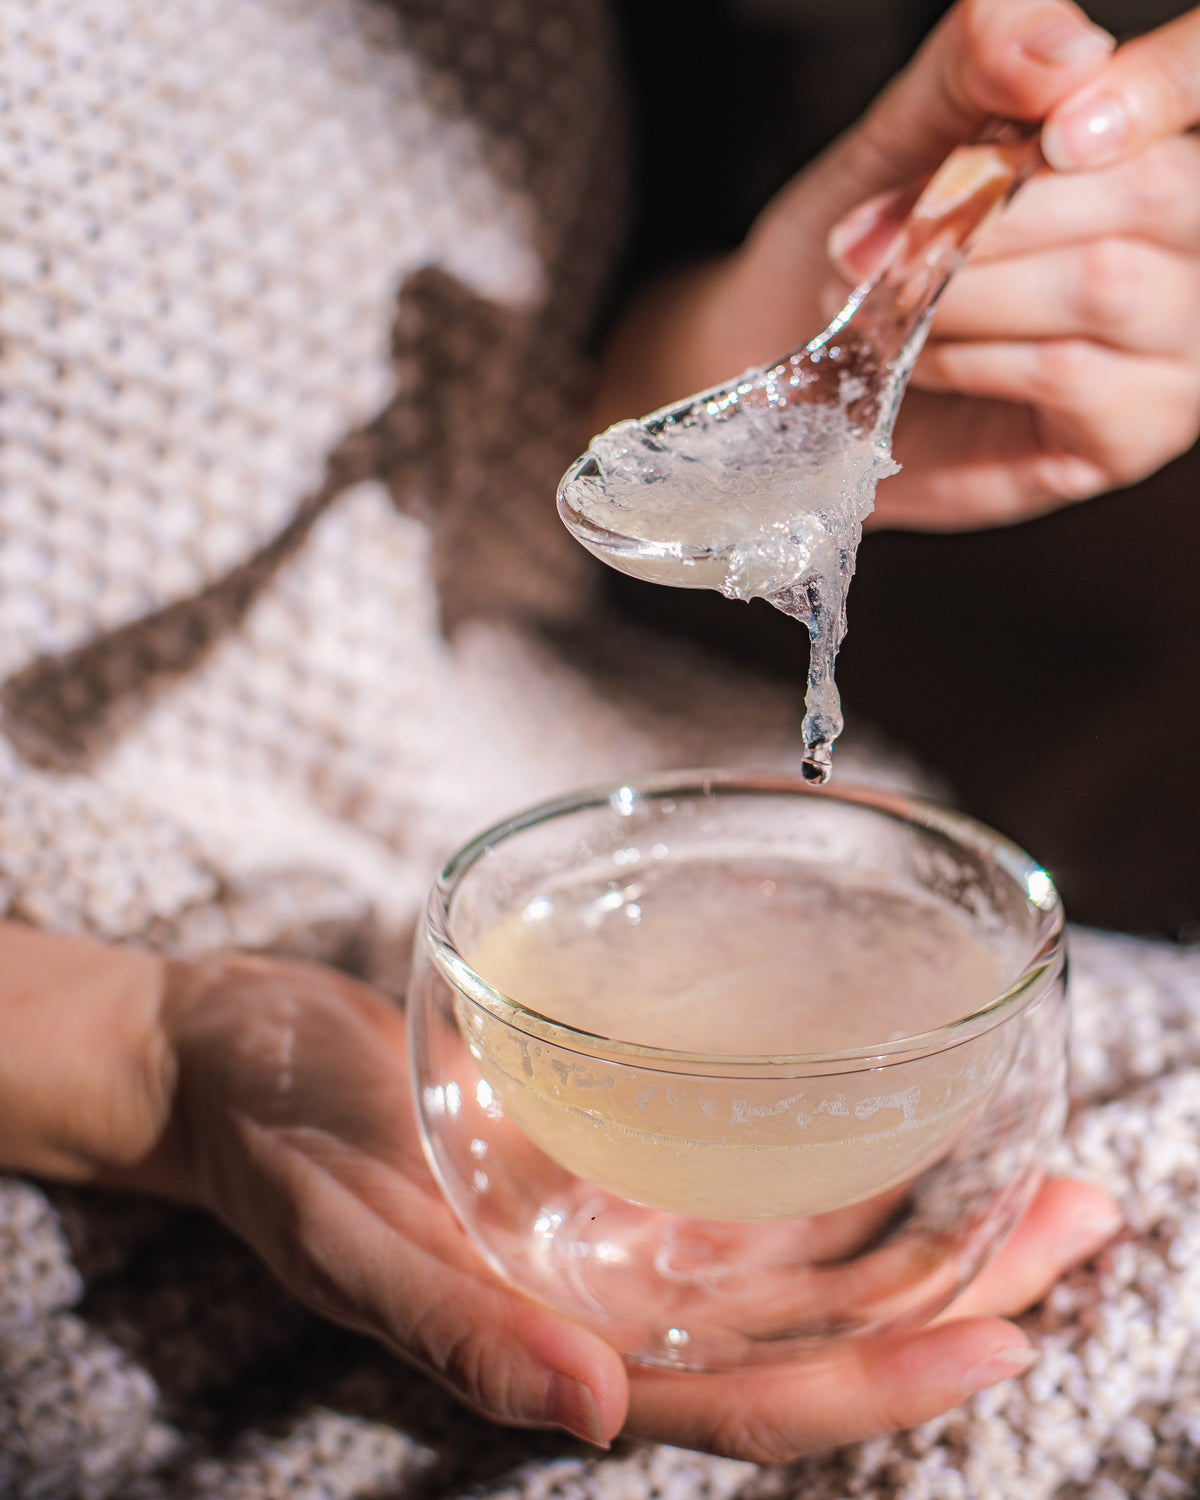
pixel 1002 1365
pixel 847 232
pixel 571 1406
pixel 859 223
pixel 1087 1235
pixel 1088 135
pixel 1064 40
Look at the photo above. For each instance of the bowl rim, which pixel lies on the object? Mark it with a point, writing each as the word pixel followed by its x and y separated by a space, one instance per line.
pixel 1045 964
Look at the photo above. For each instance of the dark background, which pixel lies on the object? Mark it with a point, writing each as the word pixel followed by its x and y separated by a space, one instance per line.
pixel 1050 671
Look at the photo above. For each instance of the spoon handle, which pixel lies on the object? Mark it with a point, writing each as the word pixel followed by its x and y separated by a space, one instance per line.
pixel 890 312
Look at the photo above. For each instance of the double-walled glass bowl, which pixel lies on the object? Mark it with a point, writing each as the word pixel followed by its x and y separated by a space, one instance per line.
pixel 708 1209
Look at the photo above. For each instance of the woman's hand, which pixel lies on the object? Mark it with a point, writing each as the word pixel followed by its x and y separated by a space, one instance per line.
pixel 292 1119
pixel 861 1388
pixel 1149 91
pixel 1065 357
pixel 276 1094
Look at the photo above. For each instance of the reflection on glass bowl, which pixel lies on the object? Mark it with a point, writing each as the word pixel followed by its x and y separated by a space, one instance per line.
pixel 724 1067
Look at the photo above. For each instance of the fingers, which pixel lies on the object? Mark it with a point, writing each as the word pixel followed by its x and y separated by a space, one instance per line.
pixel 1123 293
pixel 1015 58
pixel 1155 197
pixel 1067 1222
pixel 381 1254
pixel 1012 58
pixel 971 463
pixel 1150 89
pixel 295 1089
pixel 1065 351
pixel 1093 418
pixel 857 1389
pixel 1067 421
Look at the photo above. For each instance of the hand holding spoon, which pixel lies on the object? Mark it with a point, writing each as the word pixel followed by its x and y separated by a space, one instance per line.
pixel 759 487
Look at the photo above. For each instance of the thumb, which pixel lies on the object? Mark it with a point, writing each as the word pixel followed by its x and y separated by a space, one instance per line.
pixel 1016 59
pixel 1150 89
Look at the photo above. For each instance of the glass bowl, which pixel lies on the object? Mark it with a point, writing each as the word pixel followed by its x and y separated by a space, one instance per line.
pixel 728 1066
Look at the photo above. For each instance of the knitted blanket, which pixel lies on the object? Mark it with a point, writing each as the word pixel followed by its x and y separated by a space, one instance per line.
pixel 293 295
pixel 144 1353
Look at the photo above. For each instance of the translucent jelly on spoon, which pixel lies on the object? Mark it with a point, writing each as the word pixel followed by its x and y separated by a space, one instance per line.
pixel 759 488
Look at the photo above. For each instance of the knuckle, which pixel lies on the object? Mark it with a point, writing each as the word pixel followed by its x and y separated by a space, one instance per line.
pixel 1158 183
pixel 1066 479
pixel 1186 204
pixel 758 1438
pixel 994 72
pixel 896 1413
pixel 1189 418
pixel 464 1364
pixel 1174 84
pixel 1162 424
pixel 754 1439
pixel 984 23
pixel 1063 370
pixel 1182 424
pixel 980 75
pixel 463 1357
pixel 1114 287
pixel 434 1337
pixel 977 29
pixel 1173 431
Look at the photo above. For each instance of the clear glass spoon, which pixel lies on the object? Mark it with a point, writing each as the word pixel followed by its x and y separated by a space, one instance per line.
pixel 759 487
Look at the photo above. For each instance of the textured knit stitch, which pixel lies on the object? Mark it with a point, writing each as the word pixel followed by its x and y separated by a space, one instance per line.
pixel 292 301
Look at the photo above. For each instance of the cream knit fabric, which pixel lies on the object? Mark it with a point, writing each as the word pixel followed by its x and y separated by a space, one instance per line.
pixel 292 297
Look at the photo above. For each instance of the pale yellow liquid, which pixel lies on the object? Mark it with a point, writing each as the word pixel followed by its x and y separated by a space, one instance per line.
pixel 746 959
